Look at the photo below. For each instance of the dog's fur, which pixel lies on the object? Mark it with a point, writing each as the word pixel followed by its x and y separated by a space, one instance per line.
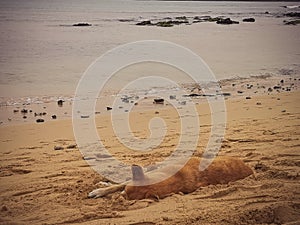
pixel 188 179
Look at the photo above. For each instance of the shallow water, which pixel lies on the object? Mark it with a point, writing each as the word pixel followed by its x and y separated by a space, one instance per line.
pixel 42 54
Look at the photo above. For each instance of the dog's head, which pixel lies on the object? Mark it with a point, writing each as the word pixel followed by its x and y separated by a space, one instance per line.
pixel 136 189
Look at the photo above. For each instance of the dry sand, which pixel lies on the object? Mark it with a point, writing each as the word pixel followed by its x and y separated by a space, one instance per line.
pixel 40 185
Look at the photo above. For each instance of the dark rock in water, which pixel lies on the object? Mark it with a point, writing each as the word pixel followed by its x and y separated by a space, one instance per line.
pixel 293 22
pixel 158 101
pixel 258 103
pixel 54 117
pixel 84 116
pixel 270 89
pixel 277 87
pixel 60 102
pixel 181 18
pixel 40 120
pixel 126 20
pixel 108 108
pixel 240 92
pixel 16 110
pixel 30 110
pixel 24 117
pixel 82 25
pixel 248 97
pixel 58 148
pixel 156 112
pixel 44 113
pixel 282 81
pixel 144 23
pixel 198 19
pixel 251 20
pixel 164 24
pixel 266 12
pixel 292 14
pixel 226 21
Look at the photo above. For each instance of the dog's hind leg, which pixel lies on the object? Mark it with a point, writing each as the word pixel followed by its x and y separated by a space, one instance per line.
pixel 100 192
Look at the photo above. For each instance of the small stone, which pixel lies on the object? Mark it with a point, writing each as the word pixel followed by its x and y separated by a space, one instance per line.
pixel 248 97
pixel 158 101
pixel 165 218
pixel 108 108
pixel 71 146
pixel 24 111
pixel 40 120
pixel 54 117
pixel 60 103
pixel 251 20
pixel 82 25
pixel 258 103
pixel 58 148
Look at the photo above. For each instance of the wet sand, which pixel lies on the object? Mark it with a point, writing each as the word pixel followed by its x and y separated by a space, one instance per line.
pixel 40 185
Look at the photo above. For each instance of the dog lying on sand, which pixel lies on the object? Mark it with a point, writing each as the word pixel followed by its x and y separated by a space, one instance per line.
pixel 188 179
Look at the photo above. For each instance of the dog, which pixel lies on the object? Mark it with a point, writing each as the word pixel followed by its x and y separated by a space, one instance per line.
pixel 186 180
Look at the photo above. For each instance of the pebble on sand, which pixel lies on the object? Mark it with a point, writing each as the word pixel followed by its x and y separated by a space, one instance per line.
pixel 58 148
pixel 72 146
pixel 60 103
pixel 40 120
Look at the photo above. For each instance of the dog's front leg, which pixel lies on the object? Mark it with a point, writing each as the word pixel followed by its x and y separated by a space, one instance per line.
pixel 100 192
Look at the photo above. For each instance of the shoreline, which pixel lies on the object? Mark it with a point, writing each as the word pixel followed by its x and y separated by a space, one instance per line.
pixel 235 87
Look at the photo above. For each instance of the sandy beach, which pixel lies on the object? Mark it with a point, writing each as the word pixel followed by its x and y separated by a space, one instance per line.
pixel 40 185
pixel 45 174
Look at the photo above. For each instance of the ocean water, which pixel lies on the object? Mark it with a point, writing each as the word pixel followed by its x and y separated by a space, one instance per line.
pixel 42 54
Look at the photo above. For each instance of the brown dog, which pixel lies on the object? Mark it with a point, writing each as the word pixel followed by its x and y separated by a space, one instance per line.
pixel 188 179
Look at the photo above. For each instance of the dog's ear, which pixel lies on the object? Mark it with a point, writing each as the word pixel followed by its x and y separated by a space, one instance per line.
pixel 137 173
